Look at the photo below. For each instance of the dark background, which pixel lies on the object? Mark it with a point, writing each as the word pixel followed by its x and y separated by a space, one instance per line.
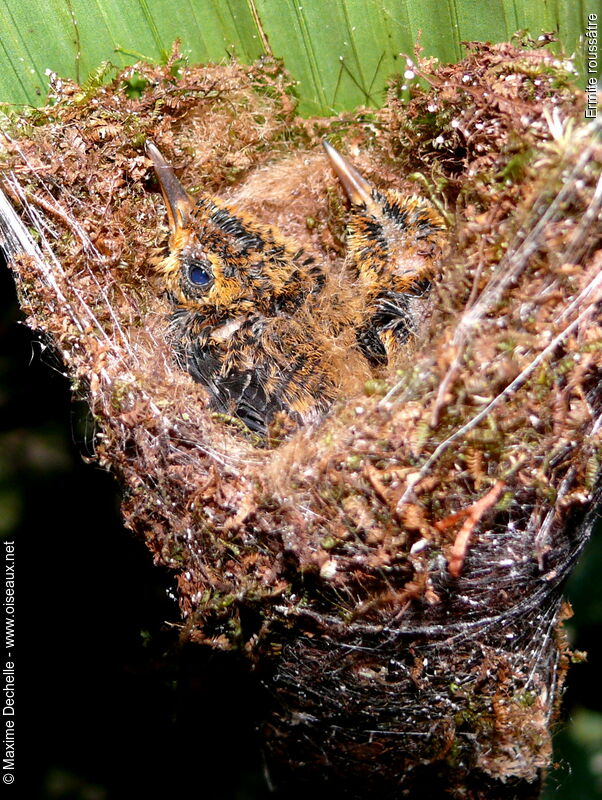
pixel 110 704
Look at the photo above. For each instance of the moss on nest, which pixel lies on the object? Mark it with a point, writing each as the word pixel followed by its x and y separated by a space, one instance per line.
pixel 394 573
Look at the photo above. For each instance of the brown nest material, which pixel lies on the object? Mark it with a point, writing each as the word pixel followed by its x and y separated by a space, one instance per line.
pixel 394 574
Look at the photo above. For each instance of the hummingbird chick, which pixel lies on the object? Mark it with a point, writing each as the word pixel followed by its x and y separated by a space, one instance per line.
pixel 238 325
pixel 261 326
pixel 393 245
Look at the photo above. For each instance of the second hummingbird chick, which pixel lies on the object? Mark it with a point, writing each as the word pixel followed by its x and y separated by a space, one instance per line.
pixel 238 289
pixel 393 245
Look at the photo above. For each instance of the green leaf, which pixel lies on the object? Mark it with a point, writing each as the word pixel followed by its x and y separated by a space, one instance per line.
pixel 341 52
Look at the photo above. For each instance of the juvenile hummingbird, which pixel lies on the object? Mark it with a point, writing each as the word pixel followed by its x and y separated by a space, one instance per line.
pixel 393 243
pixel 240 323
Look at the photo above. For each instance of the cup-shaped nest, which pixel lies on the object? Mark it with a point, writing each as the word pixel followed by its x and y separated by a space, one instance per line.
pixel 394 570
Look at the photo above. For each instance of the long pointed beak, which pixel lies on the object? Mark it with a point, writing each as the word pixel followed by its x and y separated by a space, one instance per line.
pixel 358 190
pixel 178 202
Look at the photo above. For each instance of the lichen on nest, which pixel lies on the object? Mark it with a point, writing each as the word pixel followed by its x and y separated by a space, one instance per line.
pixel 406 554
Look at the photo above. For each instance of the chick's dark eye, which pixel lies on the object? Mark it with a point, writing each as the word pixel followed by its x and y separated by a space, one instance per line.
pixel 197 274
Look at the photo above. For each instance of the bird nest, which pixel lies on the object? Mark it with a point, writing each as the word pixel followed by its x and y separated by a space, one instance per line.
pixel 394 571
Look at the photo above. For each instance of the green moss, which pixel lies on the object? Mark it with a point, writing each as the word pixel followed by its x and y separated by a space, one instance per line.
pixel 592 470
pixel 422 434
pixel 229 546
pixel 138 140
pixel 176 554
pixel 135 86
pixel 515 168
pixel 526 699
pixel 505 501
pixel 376 387
pixel 121 389
pixel 354 463
pixel 328 543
